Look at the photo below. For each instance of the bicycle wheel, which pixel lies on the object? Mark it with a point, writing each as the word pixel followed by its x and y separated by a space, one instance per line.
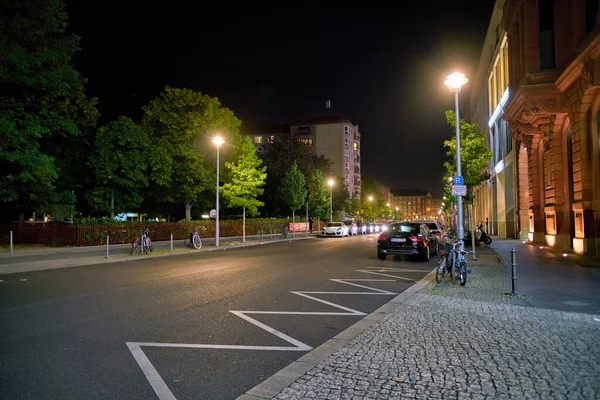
pixel 197 242
pixel 463 274
pixel 441 268
pixel 454 271
pixel 135 246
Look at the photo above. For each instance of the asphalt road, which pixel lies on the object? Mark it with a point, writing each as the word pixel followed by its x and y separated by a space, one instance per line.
pixel 192 326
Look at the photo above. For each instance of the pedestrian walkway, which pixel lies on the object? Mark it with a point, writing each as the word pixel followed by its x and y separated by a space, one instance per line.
pixel 44 258
pixel 444 341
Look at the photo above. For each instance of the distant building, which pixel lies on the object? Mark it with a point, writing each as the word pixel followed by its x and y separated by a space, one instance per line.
pixel 265 136
pixel 415 204
pixel 337 139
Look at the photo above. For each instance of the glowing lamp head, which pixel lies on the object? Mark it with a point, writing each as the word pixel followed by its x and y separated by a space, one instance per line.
pixel 370 198
pixel 330 182
pixel 455 81
pixel 218 141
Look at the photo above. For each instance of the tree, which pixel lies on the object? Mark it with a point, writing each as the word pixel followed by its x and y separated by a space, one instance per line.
pixel 247 177
pixel 294 189
pixel 42 102
pixel 318 196
pixel 182 123
pixel 474 155
pixel 123 154
pixel 279 158
pixel 371 189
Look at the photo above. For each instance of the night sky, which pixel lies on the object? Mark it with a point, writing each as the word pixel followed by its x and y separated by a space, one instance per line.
pixel 383 67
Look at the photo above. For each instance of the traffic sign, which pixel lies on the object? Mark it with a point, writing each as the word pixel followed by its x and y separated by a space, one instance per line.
pixel 459 190
pixel 458 180
pixel 213 213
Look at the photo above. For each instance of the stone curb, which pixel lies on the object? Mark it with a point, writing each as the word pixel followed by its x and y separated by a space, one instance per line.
pixel 273 385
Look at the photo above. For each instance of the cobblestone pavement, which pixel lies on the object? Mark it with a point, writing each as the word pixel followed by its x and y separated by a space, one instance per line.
pixel 474 342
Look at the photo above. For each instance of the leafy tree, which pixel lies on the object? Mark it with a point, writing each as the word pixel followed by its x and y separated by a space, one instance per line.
pixel 123 154
pixel 279 158
pixel 247 177
pixel 182 123
pixel 294 189
pixel 318 196
pixel 474 155
pixel 371 188
pixel 42 102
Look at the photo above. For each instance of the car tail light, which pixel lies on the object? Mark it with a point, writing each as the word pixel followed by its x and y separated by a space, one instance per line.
pixel 382 237
pixel 416 239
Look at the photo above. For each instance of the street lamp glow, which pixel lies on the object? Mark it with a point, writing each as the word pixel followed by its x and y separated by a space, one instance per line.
pixel 330 183
pixel 218 141
pixel 370 198
pixel 455 81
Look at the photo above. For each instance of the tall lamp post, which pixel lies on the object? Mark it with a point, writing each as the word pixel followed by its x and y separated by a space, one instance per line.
pixel 371 206
pixel 454 83
pixel 218 141
pixel 330 183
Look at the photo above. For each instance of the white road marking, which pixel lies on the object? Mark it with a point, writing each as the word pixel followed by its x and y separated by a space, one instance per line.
pixel 164 393
pixel 393 276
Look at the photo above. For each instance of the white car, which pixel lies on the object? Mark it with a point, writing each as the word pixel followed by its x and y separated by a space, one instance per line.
pixel 335 229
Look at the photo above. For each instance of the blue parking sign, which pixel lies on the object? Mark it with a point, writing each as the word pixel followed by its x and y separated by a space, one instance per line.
pixel 458 180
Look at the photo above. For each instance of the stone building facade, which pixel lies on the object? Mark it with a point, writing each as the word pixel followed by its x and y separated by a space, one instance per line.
pixel 552 111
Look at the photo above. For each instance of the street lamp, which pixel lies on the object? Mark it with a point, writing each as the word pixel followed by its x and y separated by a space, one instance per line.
pixel 330 183
pixel 371 206
pixel 454 83
pixel 218 141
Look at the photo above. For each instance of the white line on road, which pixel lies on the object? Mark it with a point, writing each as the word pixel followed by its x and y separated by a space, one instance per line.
pixel 164 393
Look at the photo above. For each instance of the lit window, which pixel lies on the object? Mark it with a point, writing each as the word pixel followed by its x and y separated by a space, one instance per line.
pixel 258 139
pixel 355 146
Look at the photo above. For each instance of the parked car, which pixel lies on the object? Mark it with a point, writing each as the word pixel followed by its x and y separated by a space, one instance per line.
pixel 352 227
pixel 435 227
pixel 362 227
pixel 407 238
pixel 335 229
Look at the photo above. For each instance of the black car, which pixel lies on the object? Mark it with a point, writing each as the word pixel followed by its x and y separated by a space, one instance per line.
pixel 407 238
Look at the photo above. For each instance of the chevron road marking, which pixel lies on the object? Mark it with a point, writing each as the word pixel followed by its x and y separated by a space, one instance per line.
pixel 164 393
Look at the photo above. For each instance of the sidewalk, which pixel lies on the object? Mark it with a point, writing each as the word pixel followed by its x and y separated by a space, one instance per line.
pixel 474 342
pixel 62 257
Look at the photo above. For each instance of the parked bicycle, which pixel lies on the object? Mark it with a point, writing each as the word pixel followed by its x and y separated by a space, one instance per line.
pixel 453 261
pixel 284 231
pixel 194 241
pixel 142 242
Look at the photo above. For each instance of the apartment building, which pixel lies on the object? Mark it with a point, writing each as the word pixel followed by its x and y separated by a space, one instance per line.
pixel 537 93
pixel 336 138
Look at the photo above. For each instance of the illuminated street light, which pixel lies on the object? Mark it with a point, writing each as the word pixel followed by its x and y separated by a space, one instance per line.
pixel 330 183
pixel 454 83
pixel 218 141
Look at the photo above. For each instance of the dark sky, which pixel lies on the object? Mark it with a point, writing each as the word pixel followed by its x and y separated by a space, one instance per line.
pixel 383 67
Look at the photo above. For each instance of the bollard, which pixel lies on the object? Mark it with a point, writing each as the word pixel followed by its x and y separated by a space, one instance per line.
pixel 107 238
pixel 11 242
pixel 143 239
pixel 513 272
pixel 171 242
pixel 261 235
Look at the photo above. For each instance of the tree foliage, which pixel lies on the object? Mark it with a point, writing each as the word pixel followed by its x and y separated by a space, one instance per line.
pixel 121 162
pixel 294 188
pixel 318 195
pixel 182 123
pixel 42 105
pixel 474 155
pixel 279 157
pixel 246 180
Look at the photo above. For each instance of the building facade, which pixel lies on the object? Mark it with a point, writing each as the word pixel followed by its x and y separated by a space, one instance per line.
pixel 334 137
pixel 550 112
pixel 415 204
